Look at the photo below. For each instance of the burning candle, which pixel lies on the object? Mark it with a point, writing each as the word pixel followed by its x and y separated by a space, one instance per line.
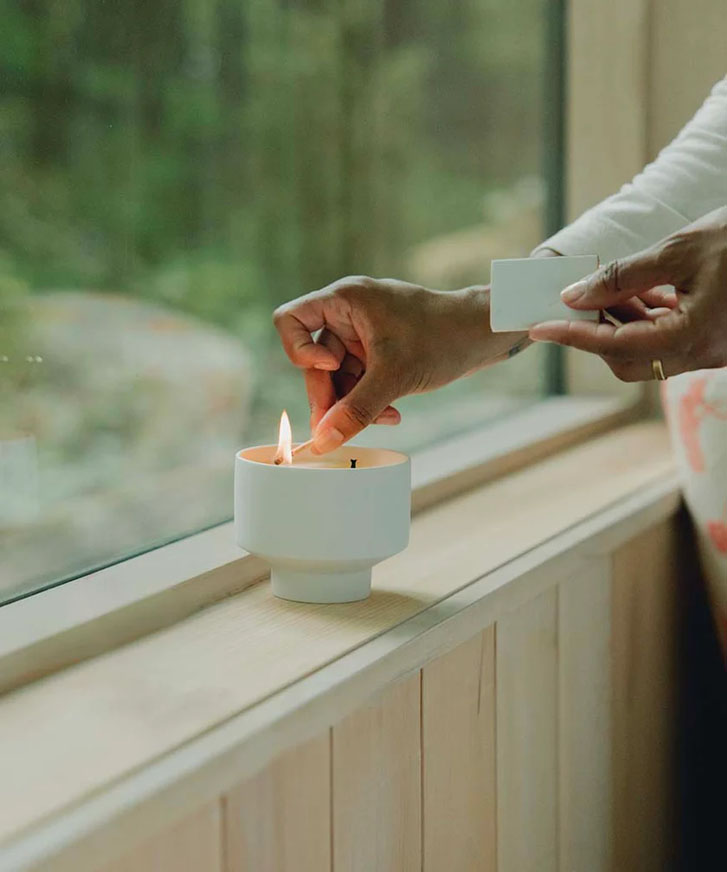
pixel 284 454
pixel 323 522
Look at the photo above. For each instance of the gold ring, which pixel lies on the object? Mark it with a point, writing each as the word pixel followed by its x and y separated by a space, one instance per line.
pixel 658 369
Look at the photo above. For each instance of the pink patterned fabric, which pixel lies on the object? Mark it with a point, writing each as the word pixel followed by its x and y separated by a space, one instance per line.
pixel 696 407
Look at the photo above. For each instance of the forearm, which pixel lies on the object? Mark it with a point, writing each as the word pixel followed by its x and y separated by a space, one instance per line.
pixel 687 180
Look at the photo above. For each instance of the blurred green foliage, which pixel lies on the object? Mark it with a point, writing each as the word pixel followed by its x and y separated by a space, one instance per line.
pixel 225 155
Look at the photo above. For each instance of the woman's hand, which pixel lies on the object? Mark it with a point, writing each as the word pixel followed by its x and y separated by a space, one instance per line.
pixel 382 339
pixel 686 329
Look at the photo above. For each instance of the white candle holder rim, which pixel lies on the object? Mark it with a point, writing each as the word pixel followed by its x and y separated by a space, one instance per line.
pixel 367 458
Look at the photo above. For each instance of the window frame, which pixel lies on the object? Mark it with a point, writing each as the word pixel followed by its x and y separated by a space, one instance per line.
pixel 98 611
pixel 552 375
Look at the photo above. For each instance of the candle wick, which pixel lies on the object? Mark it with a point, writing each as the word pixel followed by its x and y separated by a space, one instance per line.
pixel 353 463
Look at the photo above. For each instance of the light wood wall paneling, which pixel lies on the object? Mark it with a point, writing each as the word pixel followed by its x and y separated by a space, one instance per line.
pixel 194 844
pixel 645 640
pixel 280 819
pixel 606 126
pixel 688 51
pixel 377 784
pixel 606 130
pixel 458 747
pixel 584 733
pixel 527 753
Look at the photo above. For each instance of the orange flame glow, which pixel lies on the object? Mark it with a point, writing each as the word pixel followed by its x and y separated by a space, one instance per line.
pixel 284 454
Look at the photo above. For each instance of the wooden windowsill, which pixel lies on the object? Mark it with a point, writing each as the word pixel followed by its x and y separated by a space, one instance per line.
pixel 83 618
pixel 115 742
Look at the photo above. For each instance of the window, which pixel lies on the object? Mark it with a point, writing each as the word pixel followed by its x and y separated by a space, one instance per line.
pixel 170 173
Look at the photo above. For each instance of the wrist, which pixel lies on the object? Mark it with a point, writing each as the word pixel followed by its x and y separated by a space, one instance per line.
pixel 491 347
pixel 474 315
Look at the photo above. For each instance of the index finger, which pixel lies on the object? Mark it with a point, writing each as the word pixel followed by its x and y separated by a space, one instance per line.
pixel 321 394
pixel 296 322
pixel 662 336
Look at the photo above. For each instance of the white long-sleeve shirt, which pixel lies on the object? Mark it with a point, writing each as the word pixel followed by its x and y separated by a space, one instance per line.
pixel 687 180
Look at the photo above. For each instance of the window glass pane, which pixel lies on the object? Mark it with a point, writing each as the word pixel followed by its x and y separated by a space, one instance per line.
pixel 170 172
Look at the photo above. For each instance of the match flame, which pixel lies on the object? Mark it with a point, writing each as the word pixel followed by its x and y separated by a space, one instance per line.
pixel 284 454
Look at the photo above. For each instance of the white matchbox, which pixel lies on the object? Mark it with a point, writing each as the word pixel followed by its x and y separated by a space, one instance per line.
pixel 525 291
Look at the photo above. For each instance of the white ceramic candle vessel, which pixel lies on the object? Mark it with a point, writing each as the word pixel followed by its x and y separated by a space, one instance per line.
pixel 320 524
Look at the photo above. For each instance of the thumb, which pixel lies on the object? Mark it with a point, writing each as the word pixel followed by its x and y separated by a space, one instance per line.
pixel 617 281
pixel 352 413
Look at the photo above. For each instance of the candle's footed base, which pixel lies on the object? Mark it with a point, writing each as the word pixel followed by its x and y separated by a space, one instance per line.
pixel 305 586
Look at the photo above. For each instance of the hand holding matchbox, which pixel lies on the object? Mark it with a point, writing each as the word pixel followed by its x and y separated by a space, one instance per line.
pixel 526 291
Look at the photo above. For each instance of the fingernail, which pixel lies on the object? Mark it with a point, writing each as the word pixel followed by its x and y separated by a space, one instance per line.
pixel 325 366
pixel 573 292
pixel 546 329
pixel 327 440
